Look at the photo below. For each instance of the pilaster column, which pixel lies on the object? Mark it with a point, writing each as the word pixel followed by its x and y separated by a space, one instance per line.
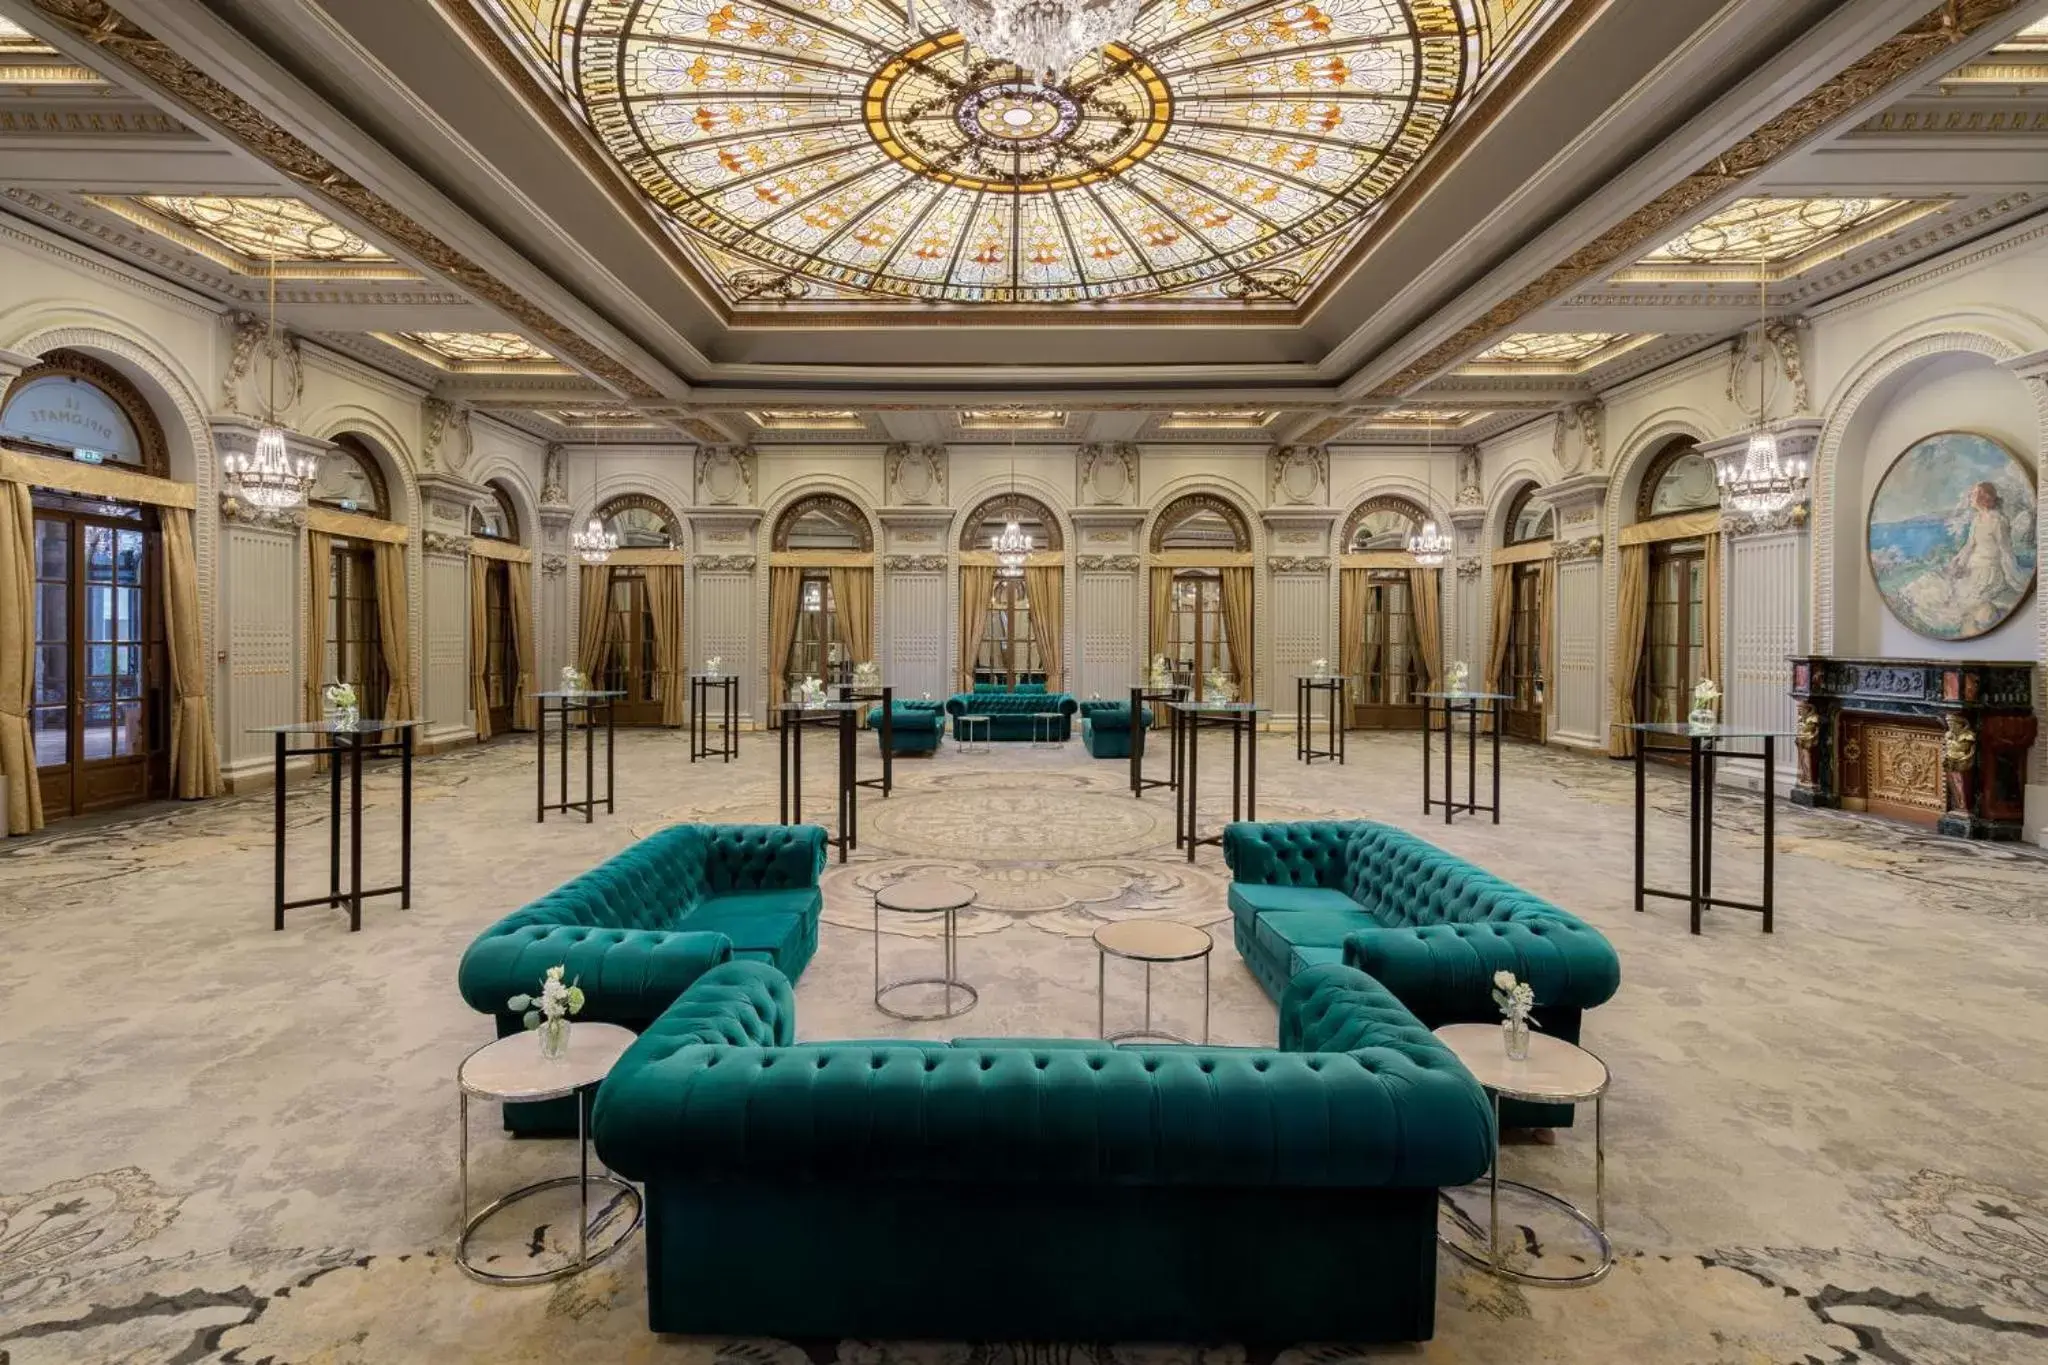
pixel 722 609
pixel 1468 591
pixel 1109 630
pixel 1299 624
pixel 554 591
pixel 1577 696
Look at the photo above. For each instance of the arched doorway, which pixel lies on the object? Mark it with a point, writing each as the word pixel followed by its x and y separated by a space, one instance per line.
pixel 1524 591
pixel 1012 624
pixel 821 593
pixel 1668 592
pixel 1202 594
pixel 1389 614
pixel 632 635
pixel 500 594
pixel 99 702
pixel 348 597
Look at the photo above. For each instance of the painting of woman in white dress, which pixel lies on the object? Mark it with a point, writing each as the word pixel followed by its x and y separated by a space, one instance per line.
pixel 1953 536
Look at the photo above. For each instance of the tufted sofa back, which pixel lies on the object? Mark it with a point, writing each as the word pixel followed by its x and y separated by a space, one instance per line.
pixel 760 857
pixel 1295 853
pixel 1404 881
pixel 1009 703
pixel 712 1091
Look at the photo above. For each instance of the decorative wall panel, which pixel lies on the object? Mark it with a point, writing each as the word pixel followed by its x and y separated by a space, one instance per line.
pixel 259 618
pixel 1766 603
pixel 718 614
pixel 1579 696
pixel 1300 633
pixel 444 702
pixel 1107 631
pixel 916 650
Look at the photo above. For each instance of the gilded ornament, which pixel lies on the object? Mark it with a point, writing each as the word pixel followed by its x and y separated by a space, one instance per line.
pixel 1959 745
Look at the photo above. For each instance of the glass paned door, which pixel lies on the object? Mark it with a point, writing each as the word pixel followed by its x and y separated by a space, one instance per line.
pixel 629 662
pixel 1009 644
pixel 1675 644
pixel 817 630
pixel 1195 637
pixel 355 643
pixel 1525 655
pixel 501 663
pixel 1393 659
pixel 95 702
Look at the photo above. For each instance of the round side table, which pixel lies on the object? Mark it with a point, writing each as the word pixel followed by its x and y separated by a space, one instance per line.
pixel 967 727
pixel 1555 1072
pixel 511 1070
pixel 926 896
pixel 1045 726
pixel 1149 941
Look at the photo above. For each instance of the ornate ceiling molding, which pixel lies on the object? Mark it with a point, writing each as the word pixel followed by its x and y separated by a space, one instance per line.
pixel 1890 63
pixel 138 50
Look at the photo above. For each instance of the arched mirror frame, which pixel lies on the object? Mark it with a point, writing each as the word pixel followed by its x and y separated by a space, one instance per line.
pixel 1189 505
pixel 641 502
pixel 85 369
pixel 995 511
pixel 841 511
pixel 1415 512
pixel 1518 508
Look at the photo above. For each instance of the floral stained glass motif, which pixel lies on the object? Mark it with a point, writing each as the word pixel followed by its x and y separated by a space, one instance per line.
pixel 833 141
pixel 1770 230
pixel 477 347
pixel 264 228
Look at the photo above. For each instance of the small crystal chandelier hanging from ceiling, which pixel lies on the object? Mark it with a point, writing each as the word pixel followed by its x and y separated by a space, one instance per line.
pixel 594 544
pixel 1012 544
pixel 271 476
pixel 1430 546
pixel 1768 480
pixel 1043 38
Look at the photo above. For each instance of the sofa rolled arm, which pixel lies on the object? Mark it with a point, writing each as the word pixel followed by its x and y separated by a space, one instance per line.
pixel 629 976
pixel 1445 971
pixel 1296 853
pixel 764 857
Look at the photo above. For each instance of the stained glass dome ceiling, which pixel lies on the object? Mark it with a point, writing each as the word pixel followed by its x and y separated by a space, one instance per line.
pixel 831 151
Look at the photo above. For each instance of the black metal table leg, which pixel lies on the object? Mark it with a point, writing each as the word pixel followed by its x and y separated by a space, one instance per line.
pixel 610 748
pixel 849 808
pixel 1251 772
pixel 1137 733
pixel 888 742
pixel 1428 738
pixel 782 775
pixel 1693 830
pixel 1236 771
pixel 1191 750
pixel 565 756
pixel 1707 781
pixel 1639 823
pixel 355 835
pixel 405 820
pixel 1770 827
pixel 1342 718
pixel 334 823
pixel 277 808
pixel 1302 720
pixel 1450 761
pixel 1472 758
pixel 540 768
pixel 1500 715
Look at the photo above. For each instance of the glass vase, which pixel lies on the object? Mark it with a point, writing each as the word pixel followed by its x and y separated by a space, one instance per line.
pixel 1515 1034
pixel 1700 720
pixel 554 1039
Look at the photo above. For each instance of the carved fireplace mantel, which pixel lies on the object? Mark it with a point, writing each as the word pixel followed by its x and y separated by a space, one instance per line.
pixel 1941 742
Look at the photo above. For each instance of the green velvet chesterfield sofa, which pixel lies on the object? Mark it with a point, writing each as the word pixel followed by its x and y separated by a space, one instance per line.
pixel 1010 712
pixel 639 928
pixel 1106 728
pixel 1041 1189
pixel 914 728
pixel 1429 926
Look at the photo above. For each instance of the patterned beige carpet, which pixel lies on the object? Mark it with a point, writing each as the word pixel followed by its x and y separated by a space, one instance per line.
pixel 228 1144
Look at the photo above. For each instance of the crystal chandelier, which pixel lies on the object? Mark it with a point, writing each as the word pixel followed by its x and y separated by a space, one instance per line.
pixel 594 544
pixel 1430 546
pixel 271 476
pixel 1768 480
pixel 1042 38
pixel 1013 545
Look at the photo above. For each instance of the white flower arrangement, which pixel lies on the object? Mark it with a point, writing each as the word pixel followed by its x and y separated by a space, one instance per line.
pixel 1458 673
pixel 1162 673
pixel 1515 998
pixel 1219 686
pixel 573 680
pixel 810 692
pixel 548 1012
pixel 835 653
pixel 1705 693
pixel 713 664
pixel 341 695
pixel 868 674
pixel 1320 668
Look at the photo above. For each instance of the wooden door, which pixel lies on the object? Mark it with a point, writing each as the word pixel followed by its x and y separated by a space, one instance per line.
pixel 1525 655
pixel 354 651
pixel 1196 640
pixel 98 712
pixel 501 661
pixel 1675 641
pixel 629 663
pixel 1386 690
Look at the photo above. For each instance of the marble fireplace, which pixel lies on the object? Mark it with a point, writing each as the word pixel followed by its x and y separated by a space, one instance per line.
pixel 1937 742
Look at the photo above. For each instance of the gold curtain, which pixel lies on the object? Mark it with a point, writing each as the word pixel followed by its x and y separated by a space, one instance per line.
pixel 195 758
pixel 1429 628
pixel 1352 587
pixel 665 605
pixel 785 603
pixel 480 644
pixel 1162 615
pixel 1238 605
pixel 319 592
pixel 1712 611
pixel 519 585
pixel 853 600
pixel 18 658
pixel 977 589
pixel 1631 618
pixel 593 620
pixel 1503 624
pixel 394 624
pixel 1546 588
pixel 1045 586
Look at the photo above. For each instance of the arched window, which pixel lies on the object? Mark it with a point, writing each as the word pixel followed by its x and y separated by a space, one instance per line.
pixel 1201 521
pixel 640 522
pixel 1383 523
pixel 351 480
pixel 1529 520
pixel 1679 479
pixel 496 519
pixel 1011 651
pixel 75 407
pixel 823 521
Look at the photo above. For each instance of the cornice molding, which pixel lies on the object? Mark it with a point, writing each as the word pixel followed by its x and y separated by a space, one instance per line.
pixel 38 238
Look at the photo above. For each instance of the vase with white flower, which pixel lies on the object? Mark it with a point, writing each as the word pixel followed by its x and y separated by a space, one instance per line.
pixel 1705 697
pixel 547 1013
pixel 712 665
pixel 341 704
pixel 1319 670
pixel 1516 999
pixel 1458 674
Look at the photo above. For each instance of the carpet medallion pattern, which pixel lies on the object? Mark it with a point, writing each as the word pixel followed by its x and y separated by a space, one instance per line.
pixel 231 1145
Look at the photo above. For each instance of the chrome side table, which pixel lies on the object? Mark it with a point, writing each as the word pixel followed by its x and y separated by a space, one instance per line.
pixel 965 728
pixel 1555 1072
pixel 1149 941
pixel 926 896
pixel 511 1070
pixel 1045 727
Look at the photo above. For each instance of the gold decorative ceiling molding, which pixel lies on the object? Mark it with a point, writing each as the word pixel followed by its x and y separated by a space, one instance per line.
pixel 1890 63
pixel 142 52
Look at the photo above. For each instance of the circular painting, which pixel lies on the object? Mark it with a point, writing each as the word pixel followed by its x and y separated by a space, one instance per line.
pixel 1952 536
